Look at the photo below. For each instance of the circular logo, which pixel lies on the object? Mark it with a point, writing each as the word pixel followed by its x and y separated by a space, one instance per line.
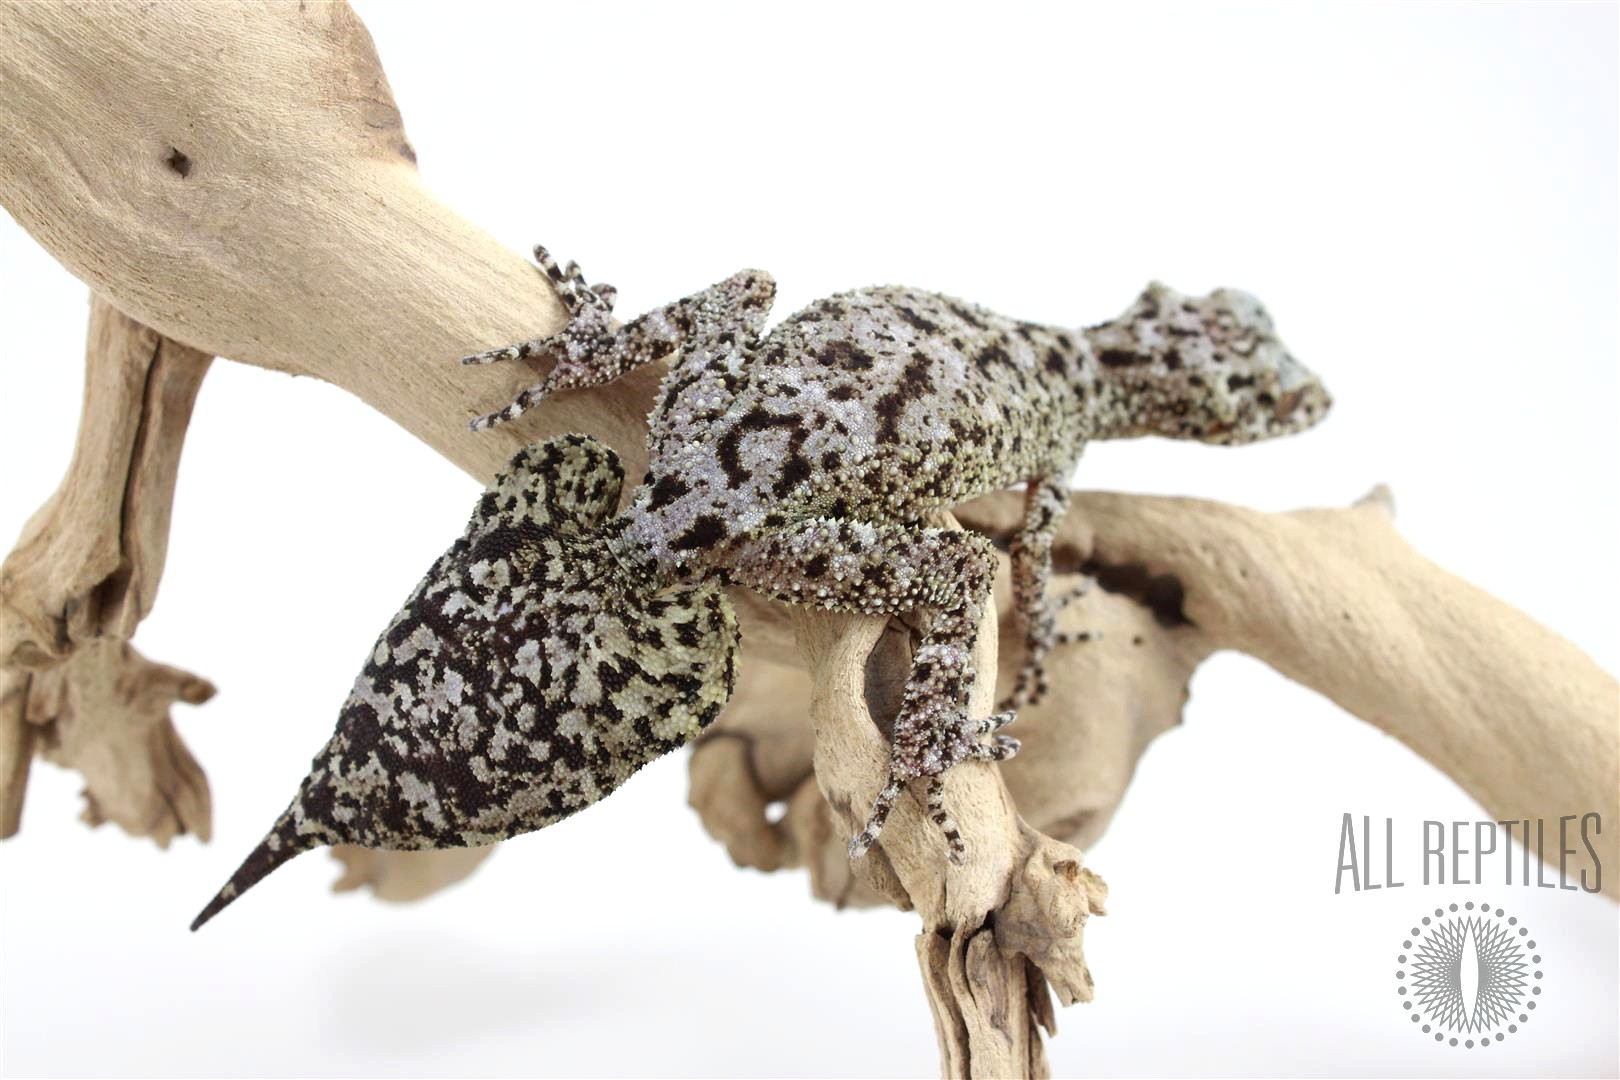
pixel 1468 976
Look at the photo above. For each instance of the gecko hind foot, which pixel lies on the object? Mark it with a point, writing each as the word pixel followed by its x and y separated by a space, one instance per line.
pixel 571 288
pixel 592 303
pixel 1031 684
pixel 584 350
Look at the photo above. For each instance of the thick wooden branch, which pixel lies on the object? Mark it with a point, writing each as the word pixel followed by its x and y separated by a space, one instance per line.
pixel 238 178
pixel 996 929
pixel 105 713
pixel 1334 599
pixel 84 573
pixel 89 561
pixel 402 876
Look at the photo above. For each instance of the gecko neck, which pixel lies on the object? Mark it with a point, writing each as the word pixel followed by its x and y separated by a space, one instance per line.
pixel 1106 402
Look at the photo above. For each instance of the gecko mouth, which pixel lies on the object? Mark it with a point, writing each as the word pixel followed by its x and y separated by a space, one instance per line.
pixel 1289 402
pixel 1303 408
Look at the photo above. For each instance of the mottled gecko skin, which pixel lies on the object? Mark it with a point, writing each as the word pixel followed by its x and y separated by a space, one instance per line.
pixel 525 678
pixel 800 465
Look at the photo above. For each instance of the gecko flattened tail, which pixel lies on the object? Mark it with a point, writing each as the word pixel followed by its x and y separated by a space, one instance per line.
pixel 281 846
pixel 530 674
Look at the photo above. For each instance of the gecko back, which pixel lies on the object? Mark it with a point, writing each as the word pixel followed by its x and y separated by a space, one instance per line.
pixel 528 675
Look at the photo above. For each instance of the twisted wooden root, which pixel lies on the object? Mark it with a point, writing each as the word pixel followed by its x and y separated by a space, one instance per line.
pixel 83 575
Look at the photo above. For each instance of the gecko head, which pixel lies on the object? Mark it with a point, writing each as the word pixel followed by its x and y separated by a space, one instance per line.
pixel 1209 368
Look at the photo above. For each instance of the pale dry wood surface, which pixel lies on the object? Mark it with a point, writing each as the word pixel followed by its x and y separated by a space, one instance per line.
pixel 997 929
pixel 235 180
pixel 1335 599
pixel 84 572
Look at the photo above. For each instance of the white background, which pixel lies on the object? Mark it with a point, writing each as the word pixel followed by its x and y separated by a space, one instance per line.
pixel 1424 197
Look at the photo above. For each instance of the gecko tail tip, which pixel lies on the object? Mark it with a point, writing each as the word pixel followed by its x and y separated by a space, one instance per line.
pixel 281 846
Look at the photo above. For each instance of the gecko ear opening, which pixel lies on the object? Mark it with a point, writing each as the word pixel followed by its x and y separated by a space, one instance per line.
pixel 528 675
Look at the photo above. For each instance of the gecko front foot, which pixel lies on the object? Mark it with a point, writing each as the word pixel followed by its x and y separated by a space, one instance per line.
pixel 927 743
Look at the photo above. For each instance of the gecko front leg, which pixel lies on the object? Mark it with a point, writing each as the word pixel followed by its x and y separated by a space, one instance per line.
pixel 885 570
pixel 589 351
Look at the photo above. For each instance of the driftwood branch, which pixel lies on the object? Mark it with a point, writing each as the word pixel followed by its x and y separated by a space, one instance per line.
pixel 239 179
pixel 83 574
pixel 1520 718
pixel 285 228
pixel 1109 699
pixel 997 929
pixel 236 181
pixel 1335 599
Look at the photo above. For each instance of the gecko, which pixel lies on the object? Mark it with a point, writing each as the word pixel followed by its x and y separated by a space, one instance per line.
pixel 560 643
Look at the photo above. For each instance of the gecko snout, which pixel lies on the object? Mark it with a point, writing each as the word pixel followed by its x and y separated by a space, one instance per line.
pixel 1303 406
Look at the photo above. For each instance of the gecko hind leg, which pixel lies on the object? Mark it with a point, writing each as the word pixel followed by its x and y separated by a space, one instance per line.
pixel 886 569
pixel 1045 501
pixel 590 351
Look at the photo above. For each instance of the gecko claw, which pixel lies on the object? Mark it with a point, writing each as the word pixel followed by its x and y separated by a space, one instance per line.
pixel 569 283
pixel 1003 748
pixel 996 722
